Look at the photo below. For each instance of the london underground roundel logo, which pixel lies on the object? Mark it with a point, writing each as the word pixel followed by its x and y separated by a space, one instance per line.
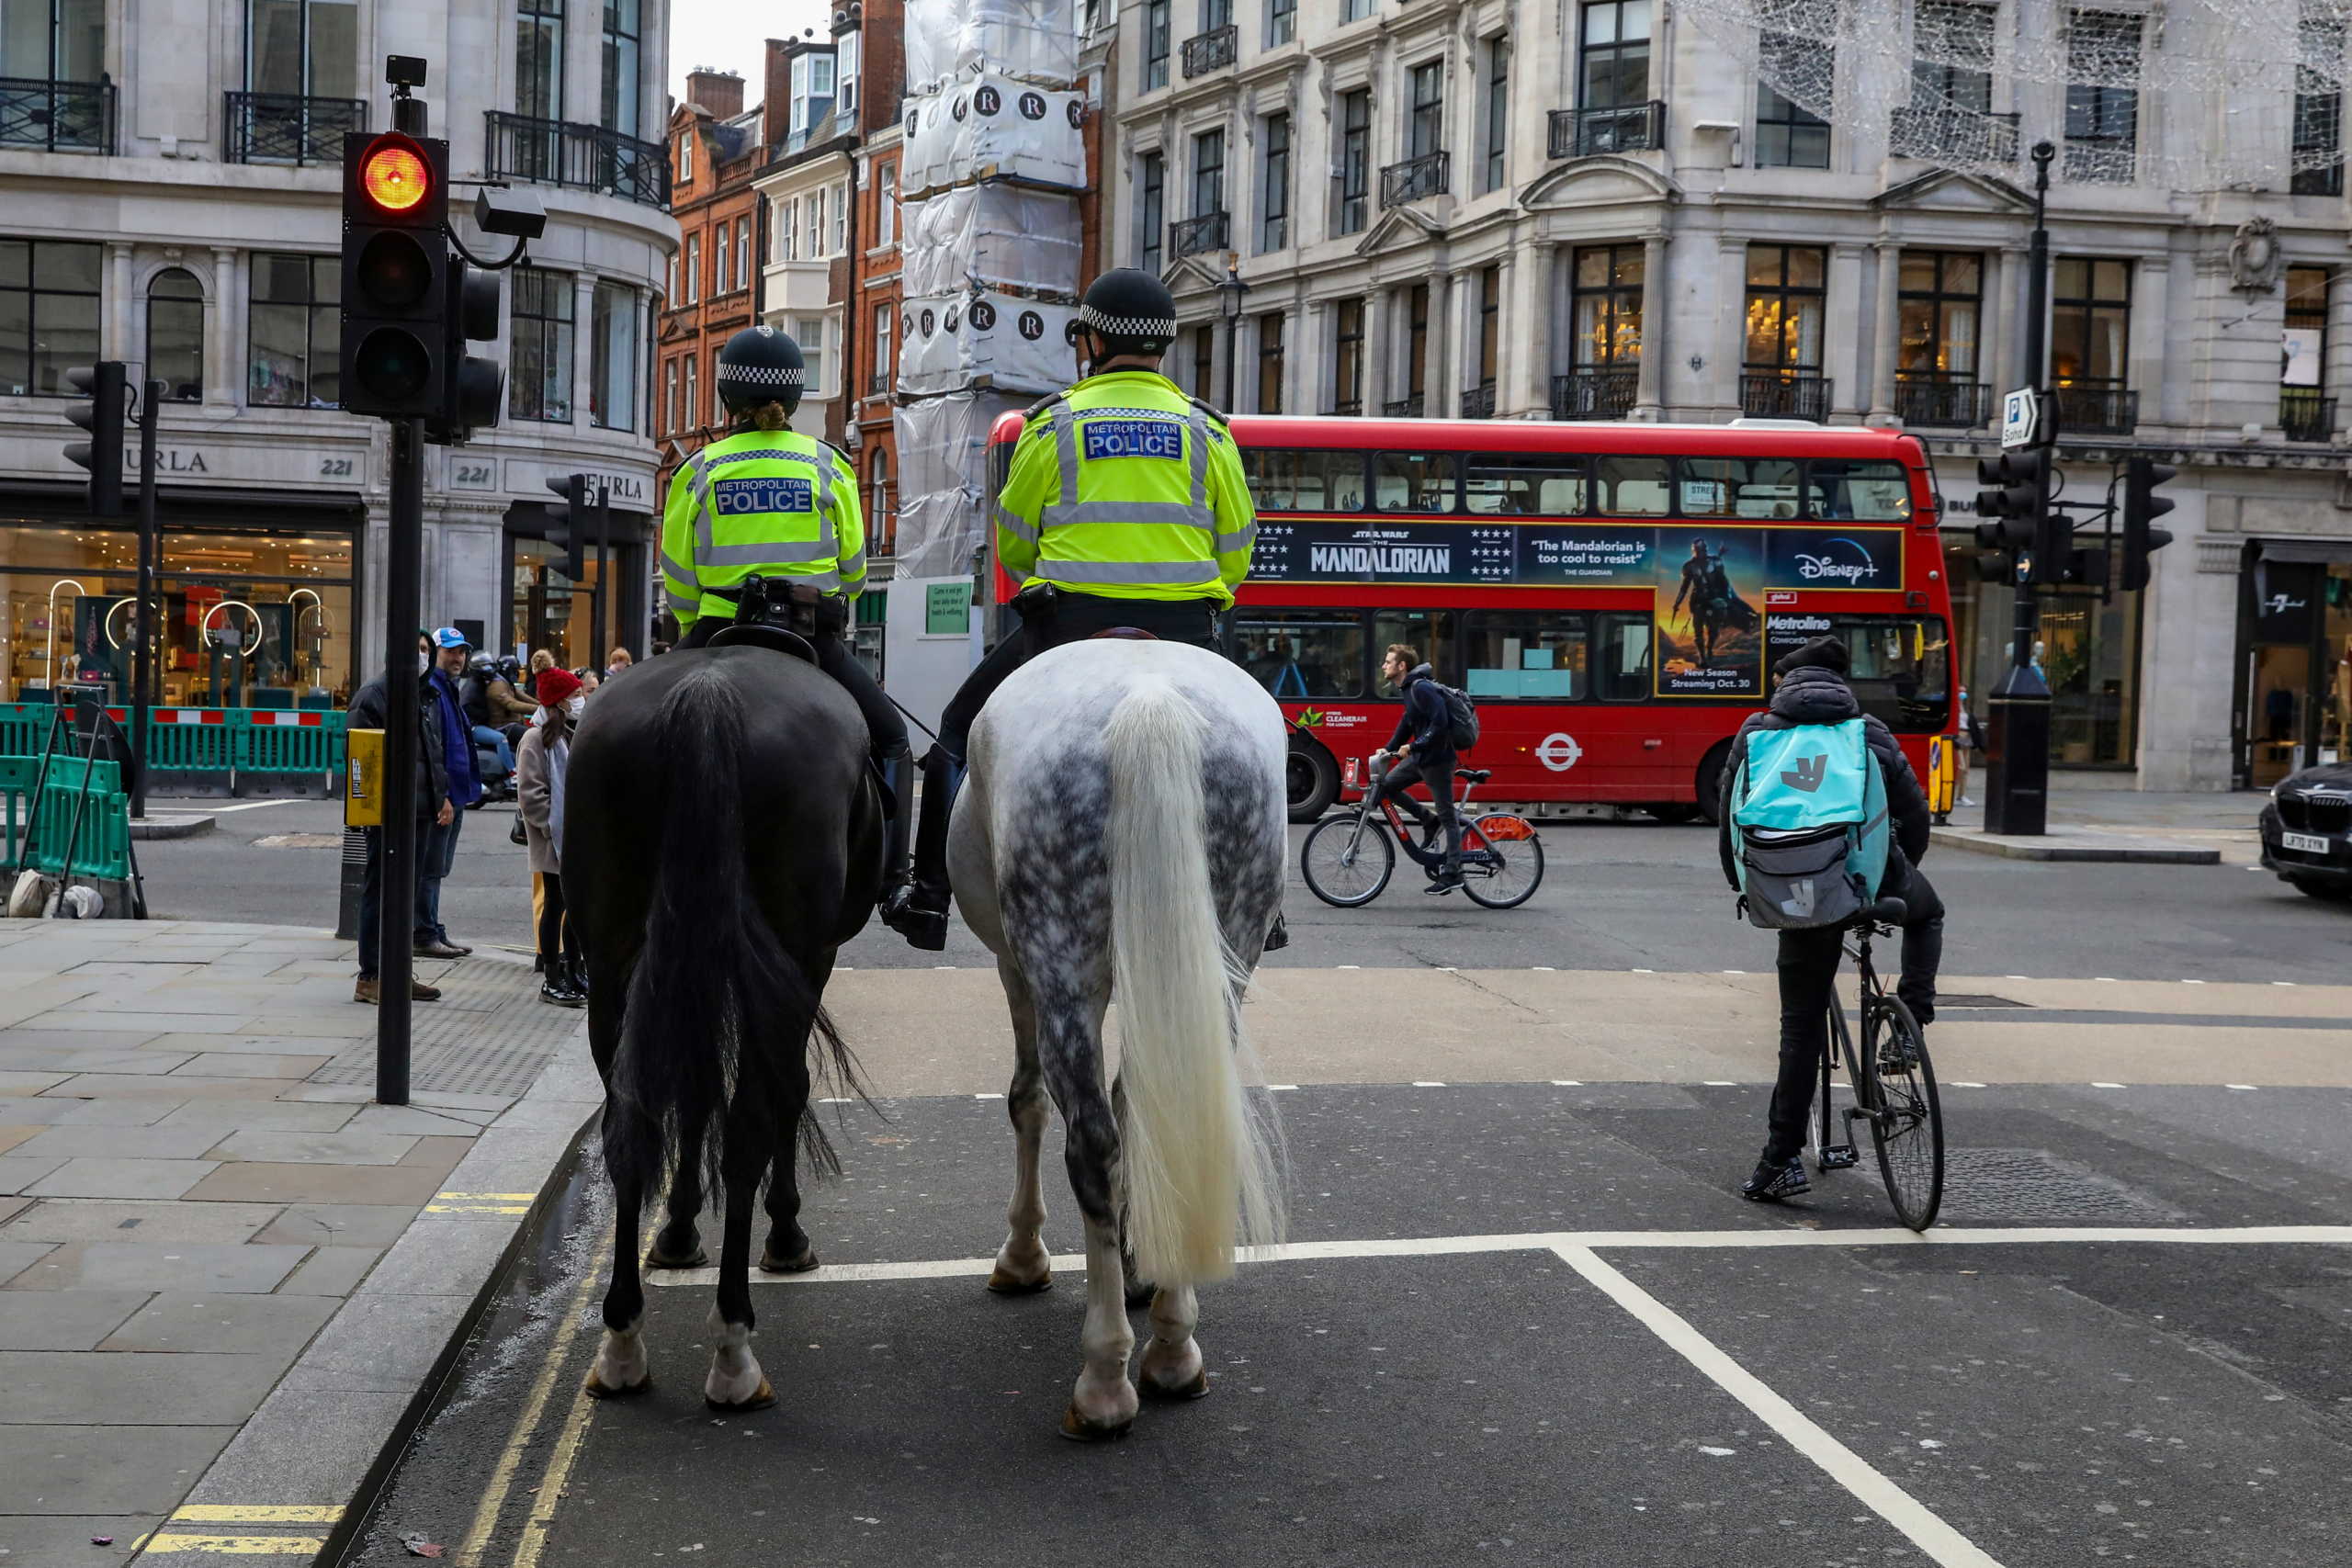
pixel 1559 752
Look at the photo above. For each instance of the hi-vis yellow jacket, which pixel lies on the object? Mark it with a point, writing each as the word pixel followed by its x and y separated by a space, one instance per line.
pixel 1125 488
pixel 770 501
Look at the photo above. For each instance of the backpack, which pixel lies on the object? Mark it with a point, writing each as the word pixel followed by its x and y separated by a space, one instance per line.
pixel 1808 825
pixel 1462 715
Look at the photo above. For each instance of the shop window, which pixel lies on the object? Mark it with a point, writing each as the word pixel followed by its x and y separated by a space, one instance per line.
pixel 1526 655
pixel 540 362
pixel 176 334
pixel 1309 655
pixel 295 333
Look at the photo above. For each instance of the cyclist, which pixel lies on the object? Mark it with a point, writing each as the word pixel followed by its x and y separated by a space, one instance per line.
pixel 1811 688
pixel 1428 725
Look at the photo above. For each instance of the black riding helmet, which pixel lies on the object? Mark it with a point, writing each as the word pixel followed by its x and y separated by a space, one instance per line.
pixel 760 365
pixel 1131 311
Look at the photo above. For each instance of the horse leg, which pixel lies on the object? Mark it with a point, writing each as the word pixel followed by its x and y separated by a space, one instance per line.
pixel 1022 1265
pixel 736 1381
pixel 787 1250
pixel 620 1366
pixel 1070 1047
pixel 1171 1363
pixel 678 1245
pixel 1139 1289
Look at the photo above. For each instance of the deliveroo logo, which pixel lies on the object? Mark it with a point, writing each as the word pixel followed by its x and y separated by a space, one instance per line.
pixel 1798 905
pixel 1807 775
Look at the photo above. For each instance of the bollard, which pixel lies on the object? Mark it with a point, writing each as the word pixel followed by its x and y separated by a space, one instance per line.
pixel 355 877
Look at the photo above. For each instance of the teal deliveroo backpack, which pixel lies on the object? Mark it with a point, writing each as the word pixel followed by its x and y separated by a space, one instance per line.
pixel 1808 825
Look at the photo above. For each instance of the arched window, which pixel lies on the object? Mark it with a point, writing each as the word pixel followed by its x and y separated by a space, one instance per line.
pixel 176 334
pixel 882 505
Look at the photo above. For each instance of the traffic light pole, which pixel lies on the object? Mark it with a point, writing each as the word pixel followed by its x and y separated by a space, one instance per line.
pixel 2018 738
pixel 395 960
pixel 150 618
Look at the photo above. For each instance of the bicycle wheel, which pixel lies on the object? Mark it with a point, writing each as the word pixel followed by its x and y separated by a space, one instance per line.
pixel 1822 1129
pixel 1907 1119
pixel 1347 861
pixel 1518 866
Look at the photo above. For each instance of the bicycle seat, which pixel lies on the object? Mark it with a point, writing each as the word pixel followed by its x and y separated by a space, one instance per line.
pixel 1475 775
pixel 775 640
pixel 1125 634
pixel 1887 912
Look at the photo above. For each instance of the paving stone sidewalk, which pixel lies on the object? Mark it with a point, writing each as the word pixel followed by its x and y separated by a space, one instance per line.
pixel 197 1193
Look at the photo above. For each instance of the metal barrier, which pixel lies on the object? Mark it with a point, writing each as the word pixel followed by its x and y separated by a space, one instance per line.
pixel 201 750
pixel 102 845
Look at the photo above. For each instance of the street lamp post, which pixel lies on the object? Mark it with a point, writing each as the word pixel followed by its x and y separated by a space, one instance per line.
pixel 1228 309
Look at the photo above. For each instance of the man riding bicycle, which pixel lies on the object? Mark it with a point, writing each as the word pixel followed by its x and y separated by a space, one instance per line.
pixel 1811 689
pixel 1428 725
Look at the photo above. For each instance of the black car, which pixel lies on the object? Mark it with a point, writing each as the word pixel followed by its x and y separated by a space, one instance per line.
pixel 2307 830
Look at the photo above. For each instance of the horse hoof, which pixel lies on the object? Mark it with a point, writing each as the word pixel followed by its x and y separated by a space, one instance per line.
pixel 800 1265
pixel 656 1258
pixel 1078 1429
pixel 1197 1389
pixel 1006 1284
pixel 597 1388
pixel 760 1399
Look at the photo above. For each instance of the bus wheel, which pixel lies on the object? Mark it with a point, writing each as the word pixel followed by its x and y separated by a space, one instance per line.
pixel 1673 813
pixel 1710 782
pixel 1313 781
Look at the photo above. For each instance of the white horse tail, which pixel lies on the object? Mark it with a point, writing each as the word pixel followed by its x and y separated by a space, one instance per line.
pixel 1196 1165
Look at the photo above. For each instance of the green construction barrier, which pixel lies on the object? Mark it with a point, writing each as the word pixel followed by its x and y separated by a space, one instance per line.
pixel 264 745
pixel 246 746
pixel 101 848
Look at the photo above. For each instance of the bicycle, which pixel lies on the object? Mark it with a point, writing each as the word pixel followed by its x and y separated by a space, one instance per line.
pixel 1893 1083
pixel 1347 858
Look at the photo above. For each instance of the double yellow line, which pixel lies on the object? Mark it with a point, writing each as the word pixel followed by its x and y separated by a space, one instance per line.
pixel 224 1543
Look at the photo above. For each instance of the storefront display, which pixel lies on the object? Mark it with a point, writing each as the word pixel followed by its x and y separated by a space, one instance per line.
pixel 2088 651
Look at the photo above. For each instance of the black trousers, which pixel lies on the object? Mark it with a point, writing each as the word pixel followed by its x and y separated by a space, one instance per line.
pixel 556 935
pixel 884 723
pixel 1076 617
pixel 1808 965
pixel 1437 771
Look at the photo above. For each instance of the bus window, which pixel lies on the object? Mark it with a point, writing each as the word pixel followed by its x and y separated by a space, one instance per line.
pixel 1430 633
pixel 1525 484
pixel 1536 654
pixel 1739 487
pixel 1415 481
pixel 1900 669
pixel 1625 669
pixel 1862 492
pixel 1283 479
pixel 1632 487
pixel 1301 654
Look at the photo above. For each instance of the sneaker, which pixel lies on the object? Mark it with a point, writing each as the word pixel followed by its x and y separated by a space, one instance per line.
pixel 371 991
pixel 561 995
pixel 1445 882
pixel 1770 1183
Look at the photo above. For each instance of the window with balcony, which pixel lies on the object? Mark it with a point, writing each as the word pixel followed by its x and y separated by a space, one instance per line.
pixel 1213 46
pixel 1950 112
pixel 884 321
pixel 618 91
pixel 1151 210
pixel 176 334
pixel 2319 109
pixel 1605 297
pixel 2102 97
pixel 1347 356
pixel 1270 362
pixel 1496 111
pixel 1281 22
pixel 1940 304
pixel 2090 346
pixel 1156 30
pixel 1787 303
pixel 538 62
pixel 1425 120
pixel 1614 112
pixel 301 83
pixel 2305 410
pixel 538 360
pixel 294 329
pixel 1273 184
pixel 1204 231
pixel 612 357
pixel 1354 186
pixel 1788 135
pixel 53 55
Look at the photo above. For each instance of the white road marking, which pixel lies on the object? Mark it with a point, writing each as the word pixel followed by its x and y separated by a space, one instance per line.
pixel 1717 1083
pixel 1427 1083
pixel 2289 983
pixel 1962 1083
pixel 1282 1086
pixel 1942 1544
pixel 2106 1086
pixel 1645 970
pixel 2241 1086
pixel 1350 966
pixel 987 1097
pixel 2192 982
pixel 1568 1083
pixel 1545 970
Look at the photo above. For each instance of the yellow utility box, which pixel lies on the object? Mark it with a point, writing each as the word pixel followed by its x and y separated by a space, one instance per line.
pixel 363 783
pixel 1943 770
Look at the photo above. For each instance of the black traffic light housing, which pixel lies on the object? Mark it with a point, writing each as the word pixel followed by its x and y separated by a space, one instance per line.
pixel 476 392
pixel 2142 507
pixel 2013 504
pixel 104 416
pixel 400 298
pixel 579 521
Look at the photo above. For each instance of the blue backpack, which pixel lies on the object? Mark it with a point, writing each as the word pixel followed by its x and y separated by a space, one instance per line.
pixel 1808 825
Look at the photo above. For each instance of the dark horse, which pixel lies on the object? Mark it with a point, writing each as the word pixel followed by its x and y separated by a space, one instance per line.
pixel 722 838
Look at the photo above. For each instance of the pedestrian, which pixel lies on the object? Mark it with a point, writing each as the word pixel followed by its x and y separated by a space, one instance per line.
pixel 370 707
pixel 464 791
pixel 509 709
pixel 1425 735
pixel 473 693
pixel 1811 689
pixel 619 662
pixel 589 681
pixel 546 755
pixel 541 662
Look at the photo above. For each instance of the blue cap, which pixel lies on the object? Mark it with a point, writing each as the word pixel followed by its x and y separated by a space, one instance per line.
pixel 450 637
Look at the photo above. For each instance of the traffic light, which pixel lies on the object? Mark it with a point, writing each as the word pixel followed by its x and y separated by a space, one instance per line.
pixel 103 416
pixel 2142 507
pixel 476 387
pixel 2012 502
pixel 399 298
pixel 569 521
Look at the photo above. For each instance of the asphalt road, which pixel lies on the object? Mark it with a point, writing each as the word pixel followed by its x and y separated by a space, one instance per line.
pixel 1614 896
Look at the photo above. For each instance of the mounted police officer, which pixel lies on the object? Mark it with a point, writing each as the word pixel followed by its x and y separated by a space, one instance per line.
pixel 769 502
pixel 1126 506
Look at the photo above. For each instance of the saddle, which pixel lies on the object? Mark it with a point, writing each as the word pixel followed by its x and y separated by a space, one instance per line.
pixel 1123 634
pixel 781 615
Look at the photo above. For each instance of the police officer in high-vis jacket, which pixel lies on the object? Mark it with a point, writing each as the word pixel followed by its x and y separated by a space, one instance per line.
pixel 768 501
pixel 1126 506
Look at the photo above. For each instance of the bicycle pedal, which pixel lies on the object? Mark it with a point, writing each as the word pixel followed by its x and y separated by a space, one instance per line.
pixel 1839 1157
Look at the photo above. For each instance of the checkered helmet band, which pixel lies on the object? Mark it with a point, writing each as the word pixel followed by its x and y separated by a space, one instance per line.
pixel 1126 326
pixel 751 376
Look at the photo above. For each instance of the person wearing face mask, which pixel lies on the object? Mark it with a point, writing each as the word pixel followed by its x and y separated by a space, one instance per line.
pixel 539 771
pixel 369 710
pixel 440 852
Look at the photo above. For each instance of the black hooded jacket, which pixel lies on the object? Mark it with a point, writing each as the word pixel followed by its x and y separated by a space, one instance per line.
pixel 1426 721
pixel 1811 695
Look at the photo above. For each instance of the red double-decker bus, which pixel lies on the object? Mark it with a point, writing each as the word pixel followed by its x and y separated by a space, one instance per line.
pixel 1612 595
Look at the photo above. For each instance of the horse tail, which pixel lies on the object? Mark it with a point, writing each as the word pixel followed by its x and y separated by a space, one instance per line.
pixel 718 1012
pixel 1197 1161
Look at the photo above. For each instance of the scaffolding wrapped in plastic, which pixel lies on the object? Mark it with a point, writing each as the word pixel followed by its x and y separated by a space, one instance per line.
pixel 992 126
pixel 992 235
pixel 942 443
pixel 1034 41
pixel 985 338
pixel 938 533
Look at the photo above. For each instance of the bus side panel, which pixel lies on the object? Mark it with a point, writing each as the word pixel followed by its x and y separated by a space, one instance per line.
pixel 1581 752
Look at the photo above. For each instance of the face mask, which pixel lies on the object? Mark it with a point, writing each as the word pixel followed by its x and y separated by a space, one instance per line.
pixel 573 705
pixel 424 664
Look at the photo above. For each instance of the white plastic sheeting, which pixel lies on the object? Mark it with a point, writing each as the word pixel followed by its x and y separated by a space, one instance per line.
pixel 1035 40
pixel 992 126
pixel 944 487
pixel 991 234
pixel 1001 341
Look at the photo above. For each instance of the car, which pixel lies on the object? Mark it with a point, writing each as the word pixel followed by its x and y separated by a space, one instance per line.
pixel 2307 830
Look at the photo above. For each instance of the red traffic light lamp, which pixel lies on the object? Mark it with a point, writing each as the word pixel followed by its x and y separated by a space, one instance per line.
pixel 395 174
pixel 397 287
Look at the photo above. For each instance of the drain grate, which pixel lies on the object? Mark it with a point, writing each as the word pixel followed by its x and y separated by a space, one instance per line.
pixel 488 1034
pixel 1976 1000
pixel 2033 1187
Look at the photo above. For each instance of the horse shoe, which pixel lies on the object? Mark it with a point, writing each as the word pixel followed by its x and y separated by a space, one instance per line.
pixel 597 1388
pixel 761 1398
pixel 1078 1429
pixel 800 1265
pixel 1197 1389
pixel 1005 1284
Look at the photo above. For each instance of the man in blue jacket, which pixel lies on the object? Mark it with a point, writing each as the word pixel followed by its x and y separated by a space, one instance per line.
pixel 440 851
pixel 1426 734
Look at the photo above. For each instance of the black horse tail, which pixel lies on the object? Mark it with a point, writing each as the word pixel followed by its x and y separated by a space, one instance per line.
pixel 717 1012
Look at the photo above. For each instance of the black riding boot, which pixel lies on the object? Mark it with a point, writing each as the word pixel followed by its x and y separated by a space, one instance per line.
pixel 898 773
pixel 921 915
